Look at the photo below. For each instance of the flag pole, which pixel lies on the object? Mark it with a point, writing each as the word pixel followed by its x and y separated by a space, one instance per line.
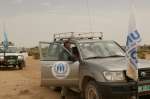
pixel 132 18
pixel 90 17
pixel 3 41
pixel 131 45
pixel 4 30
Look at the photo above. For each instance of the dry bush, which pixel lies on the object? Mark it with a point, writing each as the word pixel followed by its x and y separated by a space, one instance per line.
pixel 141 55
pixel 36 55
pixel 34 52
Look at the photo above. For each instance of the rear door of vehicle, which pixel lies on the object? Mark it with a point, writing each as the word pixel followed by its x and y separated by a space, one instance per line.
pixel 57 68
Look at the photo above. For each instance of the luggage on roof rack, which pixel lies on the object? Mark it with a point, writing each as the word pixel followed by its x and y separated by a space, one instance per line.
pixel 78 35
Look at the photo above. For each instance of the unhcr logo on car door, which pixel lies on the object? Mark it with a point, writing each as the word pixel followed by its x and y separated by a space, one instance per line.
pixel 60 70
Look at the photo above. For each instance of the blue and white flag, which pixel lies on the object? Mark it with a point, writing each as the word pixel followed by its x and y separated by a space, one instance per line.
pixel 5 42
pixel 133 40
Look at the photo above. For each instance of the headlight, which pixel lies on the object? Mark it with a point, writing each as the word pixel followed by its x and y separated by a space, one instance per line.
pixel 1 57
pixel 20 57
pixel 114 75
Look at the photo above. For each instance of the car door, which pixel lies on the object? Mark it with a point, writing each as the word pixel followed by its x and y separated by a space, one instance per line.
pixel 57 68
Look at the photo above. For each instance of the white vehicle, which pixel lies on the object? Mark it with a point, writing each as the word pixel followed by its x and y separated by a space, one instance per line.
pixel 11 57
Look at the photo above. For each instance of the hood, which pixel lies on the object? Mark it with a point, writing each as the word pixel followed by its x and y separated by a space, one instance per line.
pixel 10 54
pixel 115 64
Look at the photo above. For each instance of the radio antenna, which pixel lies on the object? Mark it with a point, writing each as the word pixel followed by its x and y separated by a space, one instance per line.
pixel 90 17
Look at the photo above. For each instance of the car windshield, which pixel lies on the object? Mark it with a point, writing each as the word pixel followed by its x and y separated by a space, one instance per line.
pixel 11 50
pixel 101 49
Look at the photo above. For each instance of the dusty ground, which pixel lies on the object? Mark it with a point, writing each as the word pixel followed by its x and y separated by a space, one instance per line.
pixel 147 56
pixel 24 84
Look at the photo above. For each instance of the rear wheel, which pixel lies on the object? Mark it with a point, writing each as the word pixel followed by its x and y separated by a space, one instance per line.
pixel 91 91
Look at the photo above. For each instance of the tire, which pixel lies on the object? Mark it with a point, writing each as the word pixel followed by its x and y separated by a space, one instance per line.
pixel 14 66
pixel 91 91
pixel 20 66
pixel 23 64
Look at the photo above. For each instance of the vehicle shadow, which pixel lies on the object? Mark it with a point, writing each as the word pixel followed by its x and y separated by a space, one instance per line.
pixel 8 68
pixel 70 95
pixel 73 95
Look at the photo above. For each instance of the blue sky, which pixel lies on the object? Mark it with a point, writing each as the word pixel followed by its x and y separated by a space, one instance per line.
pixel 30 21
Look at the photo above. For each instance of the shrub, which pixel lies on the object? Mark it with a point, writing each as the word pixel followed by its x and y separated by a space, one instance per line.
pixel 141 55
pixel 36 55
pixel 34 52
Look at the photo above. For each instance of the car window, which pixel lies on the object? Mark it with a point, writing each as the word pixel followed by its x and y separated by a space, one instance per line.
pixel 54 52
pixel 11 50
pixel 100 49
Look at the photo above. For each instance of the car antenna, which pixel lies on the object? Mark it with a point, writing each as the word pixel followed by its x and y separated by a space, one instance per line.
pixel 89 15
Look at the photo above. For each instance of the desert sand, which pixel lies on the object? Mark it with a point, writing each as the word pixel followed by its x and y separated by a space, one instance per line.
pixel 24 84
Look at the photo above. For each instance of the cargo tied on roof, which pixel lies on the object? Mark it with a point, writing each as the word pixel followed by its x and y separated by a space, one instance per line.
pixel 78 35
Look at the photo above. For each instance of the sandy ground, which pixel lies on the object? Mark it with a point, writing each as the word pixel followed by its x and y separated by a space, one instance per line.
pixel 148 56
pixel 24 84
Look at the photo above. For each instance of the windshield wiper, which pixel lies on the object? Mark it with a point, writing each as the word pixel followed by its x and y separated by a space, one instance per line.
pixel 95 57
pixel 104 56
pixel 116 56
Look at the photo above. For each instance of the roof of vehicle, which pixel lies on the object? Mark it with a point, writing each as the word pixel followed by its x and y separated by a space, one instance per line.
pixel 78 36
pixel 84 41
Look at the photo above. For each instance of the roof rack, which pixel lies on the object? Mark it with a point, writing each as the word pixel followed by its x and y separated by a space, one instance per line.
pixel 78 35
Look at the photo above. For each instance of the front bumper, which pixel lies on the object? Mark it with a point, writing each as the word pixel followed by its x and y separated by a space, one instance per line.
pixel 6 63
pixel 124 89
pixel 118 89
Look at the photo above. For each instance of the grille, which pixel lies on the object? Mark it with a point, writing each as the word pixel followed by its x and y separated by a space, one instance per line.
pixel 11 57
pixel 144 74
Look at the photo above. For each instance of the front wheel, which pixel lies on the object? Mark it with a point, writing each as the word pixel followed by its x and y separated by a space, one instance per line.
pixel 20 67
pixel 14 66
pixel 91 91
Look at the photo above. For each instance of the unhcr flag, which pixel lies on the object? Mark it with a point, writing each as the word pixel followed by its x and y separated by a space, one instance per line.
pixel 5 42
pixel 133 40
pixel 132 43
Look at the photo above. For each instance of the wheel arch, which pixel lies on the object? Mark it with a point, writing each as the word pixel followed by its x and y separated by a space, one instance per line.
pixel 85 80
